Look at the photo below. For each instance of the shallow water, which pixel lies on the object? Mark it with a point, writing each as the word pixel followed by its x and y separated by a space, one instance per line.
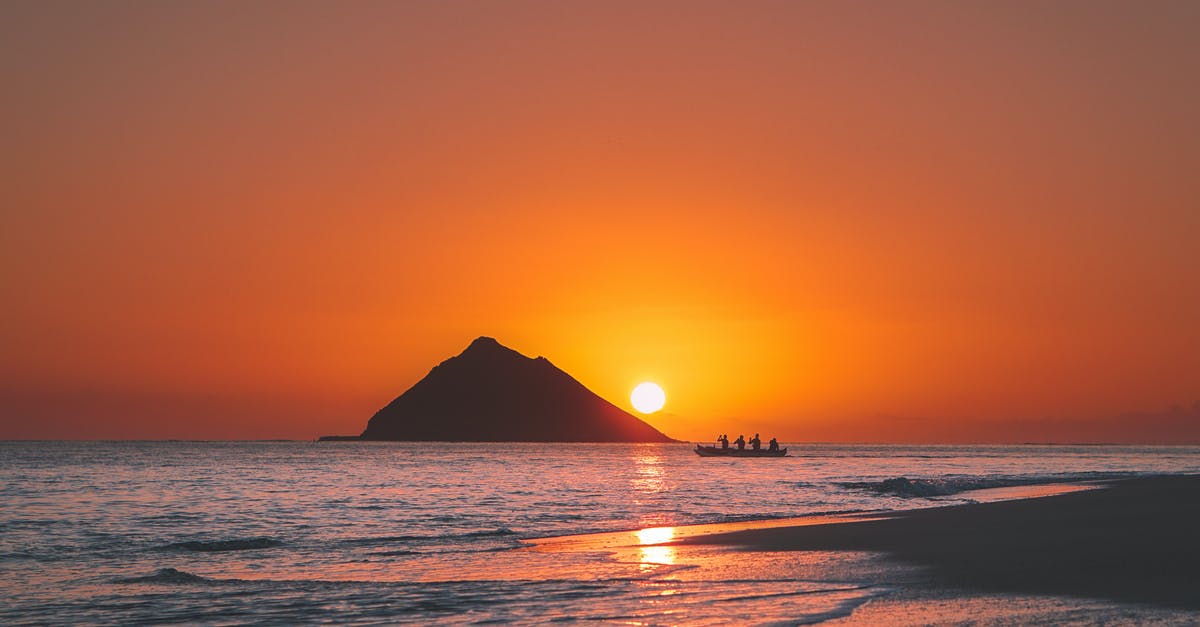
pixel 285 532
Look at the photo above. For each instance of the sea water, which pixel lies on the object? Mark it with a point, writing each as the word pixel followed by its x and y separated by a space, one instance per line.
pixel 291 532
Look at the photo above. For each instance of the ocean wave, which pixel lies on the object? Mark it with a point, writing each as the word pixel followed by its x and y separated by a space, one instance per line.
pixel 718 518
pixel 168 576
pixel 433 538
pixel 905 487
pixel 501 531
pixel 215 546
pixel 173 518
pixel 30 523
pixel 947 486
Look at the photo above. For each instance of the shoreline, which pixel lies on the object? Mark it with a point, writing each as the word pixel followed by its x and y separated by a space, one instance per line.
pixel 653 536
pixel 1135 541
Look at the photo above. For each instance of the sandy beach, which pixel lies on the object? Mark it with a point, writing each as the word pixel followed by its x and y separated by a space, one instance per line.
pixel 1134 541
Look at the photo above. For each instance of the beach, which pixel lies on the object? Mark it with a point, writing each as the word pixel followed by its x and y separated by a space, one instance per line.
pixel 1133 541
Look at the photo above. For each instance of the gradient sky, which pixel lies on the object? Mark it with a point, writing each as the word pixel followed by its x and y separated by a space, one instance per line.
pixel 904 221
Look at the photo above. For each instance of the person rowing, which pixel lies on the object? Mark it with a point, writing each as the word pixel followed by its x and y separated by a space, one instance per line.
pixel 722 449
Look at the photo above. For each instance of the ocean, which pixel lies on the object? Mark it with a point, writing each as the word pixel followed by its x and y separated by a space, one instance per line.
pixel 385 533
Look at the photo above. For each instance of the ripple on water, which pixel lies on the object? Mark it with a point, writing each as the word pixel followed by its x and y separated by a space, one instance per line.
pixel 96 532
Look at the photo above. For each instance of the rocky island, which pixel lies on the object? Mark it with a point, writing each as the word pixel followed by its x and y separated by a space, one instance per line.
pixel 491 393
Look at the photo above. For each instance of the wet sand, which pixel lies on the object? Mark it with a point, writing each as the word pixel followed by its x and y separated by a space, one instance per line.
pixel 1136 540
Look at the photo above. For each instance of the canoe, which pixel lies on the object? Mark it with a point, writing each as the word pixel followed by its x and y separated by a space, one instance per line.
pixel 713 451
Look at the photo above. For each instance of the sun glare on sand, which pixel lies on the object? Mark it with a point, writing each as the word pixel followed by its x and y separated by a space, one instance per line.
pixel 648 398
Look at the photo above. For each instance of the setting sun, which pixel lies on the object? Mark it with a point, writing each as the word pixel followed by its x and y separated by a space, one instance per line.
pixel 648 398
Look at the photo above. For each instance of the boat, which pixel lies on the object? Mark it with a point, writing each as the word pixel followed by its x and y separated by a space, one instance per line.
pixel 714 451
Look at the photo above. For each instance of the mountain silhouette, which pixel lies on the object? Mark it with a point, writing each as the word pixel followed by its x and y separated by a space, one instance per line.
pixel 491 393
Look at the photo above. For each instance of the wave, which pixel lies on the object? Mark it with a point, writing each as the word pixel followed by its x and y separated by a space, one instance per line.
pixel 502 531
pixel 215 546
pixel 167 575
pixel 719 518
pixel 449 537
pixel 947 486
pixel 903 486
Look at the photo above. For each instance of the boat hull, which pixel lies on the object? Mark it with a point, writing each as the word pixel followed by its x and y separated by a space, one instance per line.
pixel 712 451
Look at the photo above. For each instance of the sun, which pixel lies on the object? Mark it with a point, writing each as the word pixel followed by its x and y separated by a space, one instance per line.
pixel 648 398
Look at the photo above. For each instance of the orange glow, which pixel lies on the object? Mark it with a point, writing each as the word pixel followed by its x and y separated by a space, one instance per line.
pixel 650 556
pixel 813 221
pixel 655 535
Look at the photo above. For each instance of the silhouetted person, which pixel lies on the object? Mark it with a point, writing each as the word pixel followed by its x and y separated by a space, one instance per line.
pixel 724 440
pixel 756 443
pixel 740 442
pixel 773 445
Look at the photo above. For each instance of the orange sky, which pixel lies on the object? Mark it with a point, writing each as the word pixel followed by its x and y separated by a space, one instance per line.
pixel 911 221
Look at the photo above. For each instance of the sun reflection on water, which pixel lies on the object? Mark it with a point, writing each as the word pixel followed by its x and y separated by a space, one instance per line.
pixel 649 477
pixel 651 556
pixel 656 535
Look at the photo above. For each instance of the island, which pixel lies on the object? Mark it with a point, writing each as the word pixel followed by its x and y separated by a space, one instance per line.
pixel 491 393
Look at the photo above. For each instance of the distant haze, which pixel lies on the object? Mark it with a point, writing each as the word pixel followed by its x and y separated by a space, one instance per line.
pixel 266 220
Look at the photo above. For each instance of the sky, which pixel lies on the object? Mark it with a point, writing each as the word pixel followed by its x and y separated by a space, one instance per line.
pixel 905 221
